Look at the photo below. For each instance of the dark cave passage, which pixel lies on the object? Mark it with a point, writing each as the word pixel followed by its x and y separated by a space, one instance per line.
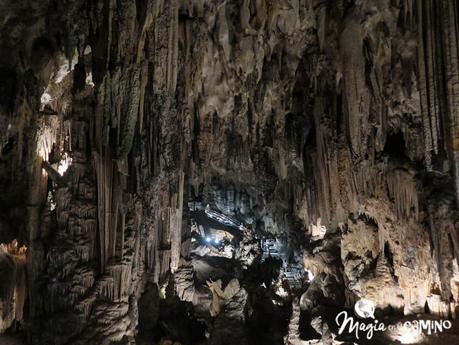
pixel 395 145
pixel 235 286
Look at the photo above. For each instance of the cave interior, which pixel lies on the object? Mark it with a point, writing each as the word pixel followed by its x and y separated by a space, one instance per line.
pixel 221 172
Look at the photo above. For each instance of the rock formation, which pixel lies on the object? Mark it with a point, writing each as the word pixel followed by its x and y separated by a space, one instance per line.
pixel 306 149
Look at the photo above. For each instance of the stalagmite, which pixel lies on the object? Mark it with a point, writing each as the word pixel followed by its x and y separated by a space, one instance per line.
pixel 293 336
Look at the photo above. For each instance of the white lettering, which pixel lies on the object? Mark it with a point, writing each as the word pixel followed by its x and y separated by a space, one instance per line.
pixel 344 321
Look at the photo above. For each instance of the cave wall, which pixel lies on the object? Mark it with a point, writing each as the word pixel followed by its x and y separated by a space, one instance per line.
pixel 285 114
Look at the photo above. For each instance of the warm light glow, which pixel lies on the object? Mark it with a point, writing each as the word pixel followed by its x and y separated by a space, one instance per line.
pixel 162 291
pixel 89 79
pixel 45 142
pixel 310 276
pixel 64 164
pixel 45 98
pixel 281 292
pixel 408 335
pixel 13 248
pixel 65 68
pixel 317 231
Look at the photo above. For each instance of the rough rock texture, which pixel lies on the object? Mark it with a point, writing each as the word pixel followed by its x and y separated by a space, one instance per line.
pixel 290 116
pixel 13 286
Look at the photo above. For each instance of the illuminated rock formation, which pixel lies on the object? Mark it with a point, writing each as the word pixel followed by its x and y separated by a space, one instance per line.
pixel 132 130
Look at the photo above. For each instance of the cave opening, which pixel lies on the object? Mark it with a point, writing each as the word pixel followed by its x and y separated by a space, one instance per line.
pixel 395 145
pixel 235 272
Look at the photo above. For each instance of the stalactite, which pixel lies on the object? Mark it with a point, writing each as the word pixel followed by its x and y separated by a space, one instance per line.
pixel 430 55
pixel 131 116
pixel 176 213
pixel 323 160
pixel 424 92
pixel 355 88
pixel 143 85
pixel 116 197
pixel 123 210
pixel 85 306
pixel 451 34
pixel 172 67
pixel 166 39
pixel 104 171
pixel 402 189
pixel 121 277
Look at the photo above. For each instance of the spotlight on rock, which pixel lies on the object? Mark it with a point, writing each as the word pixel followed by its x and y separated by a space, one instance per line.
pixel 64 164
pixel 310 276
pixel 407 335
